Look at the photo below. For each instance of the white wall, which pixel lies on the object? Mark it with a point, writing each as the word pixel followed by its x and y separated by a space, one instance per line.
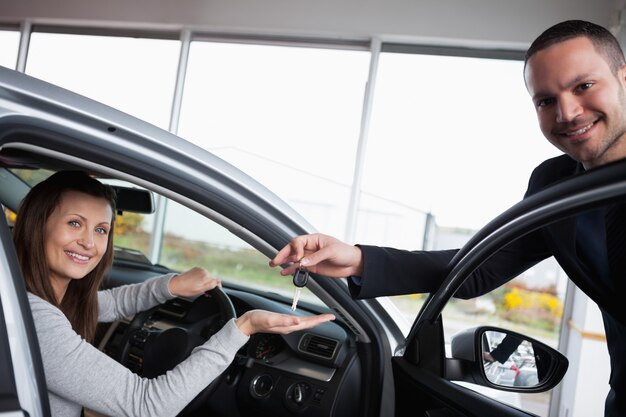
pixel 589 362
pixel 511 23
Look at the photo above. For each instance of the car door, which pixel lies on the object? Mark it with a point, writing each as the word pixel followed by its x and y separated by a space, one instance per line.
pixel 22 383
pixel 43 126
pixel 424 377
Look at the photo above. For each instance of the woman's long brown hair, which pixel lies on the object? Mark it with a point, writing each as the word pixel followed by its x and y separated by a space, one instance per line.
pixel 80 303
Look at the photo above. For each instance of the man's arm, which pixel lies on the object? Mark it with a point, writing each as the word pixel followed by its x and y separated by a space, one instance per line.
pixel 388 271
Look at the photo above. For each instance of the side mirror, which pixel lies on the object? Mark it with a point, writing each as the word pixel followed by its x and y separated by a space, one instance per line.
pixel 504 360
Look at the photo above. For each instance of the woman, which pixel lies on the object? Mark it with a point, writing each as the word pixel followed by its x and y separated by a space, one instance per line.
pixel 63 236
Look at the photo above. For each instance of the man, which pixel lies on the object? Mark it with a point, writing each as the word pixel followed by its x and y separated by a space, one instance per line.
pixel 576 76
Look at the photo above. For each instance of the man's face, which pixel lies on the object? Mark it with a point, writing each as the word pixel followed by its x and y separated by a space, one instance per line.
pixel 580 102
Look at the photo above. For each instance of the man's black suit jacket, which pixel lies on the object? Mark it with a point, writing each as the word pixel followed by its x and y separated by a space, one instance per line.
pixel 389 271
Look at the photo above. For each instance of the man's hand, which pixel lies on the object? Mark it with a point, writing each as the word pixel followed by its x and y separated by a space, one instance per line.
pixel 193 282
pixel 320 254
pixel 261 321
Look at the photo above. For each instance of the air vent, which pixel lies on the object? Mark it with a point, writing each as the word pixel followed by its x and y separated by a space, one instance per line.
pixel 318 345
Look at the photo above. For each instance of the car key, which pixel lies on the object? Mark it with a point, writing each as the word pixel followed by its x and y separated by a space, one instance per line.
pixel 300 278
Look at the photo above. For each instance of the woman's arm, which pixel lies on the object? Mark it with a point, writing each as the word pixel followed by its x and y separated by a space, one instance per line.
pixel 124 301
pixel 78 374
pixel 127 300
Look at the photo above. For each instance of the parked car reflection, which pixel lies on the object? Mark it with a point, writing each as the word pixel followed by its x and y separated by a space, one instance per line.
pixel 509 360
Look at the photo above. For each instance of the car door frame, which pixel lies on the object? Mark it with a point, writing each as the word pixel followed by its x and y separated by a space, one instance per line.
pixel 23 388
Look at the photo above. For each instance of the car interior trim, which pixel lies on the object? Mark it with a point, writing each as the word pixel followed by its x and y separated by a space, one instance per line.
pixel 297 366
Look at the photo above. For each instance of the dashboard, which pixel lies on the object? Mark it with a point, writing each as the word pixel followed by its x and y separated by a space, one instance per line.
pixel 315 372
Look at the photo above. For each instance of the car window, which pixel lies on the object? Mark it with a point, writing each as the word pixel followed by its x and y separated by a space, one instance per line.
pixel 186 239
pixel 191 239
pixel 530 304
pixel 32 177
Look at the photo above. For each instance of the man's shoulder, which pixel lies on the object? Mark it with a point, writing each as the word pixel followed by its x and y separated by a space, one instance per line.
pixel 562 166
pixel 551 171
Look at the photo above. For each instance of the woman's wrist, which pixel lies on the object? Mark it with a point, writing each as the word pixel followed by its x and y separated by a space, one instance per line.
pixel 244 325
pixel 171 284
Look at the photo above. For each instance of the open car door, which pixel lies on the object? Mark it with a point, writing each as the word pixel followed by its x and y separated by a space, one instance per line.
pixel 424 376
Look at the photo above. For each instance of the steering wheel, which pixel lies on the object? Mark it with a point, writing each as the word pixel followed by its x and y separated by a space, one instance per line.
pixel 163 349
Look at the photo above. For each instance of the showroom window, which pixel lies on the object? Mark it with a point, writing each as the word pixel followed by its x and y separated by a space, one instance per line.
pixel 9 44
pixel 135 75
pixel 287 116
pixel 454 136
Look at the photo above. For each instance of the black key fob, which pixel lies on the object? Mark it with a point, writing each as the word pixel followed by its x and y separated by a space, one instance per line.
pixel 300 277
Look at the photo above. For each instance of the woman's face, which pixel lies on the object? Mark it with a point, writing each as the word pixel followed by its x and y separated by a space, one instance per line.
pixel 76 237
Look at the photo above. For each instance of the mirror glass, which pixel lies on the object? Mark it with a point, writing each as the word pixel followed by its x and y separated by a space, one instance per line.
pixel 511 361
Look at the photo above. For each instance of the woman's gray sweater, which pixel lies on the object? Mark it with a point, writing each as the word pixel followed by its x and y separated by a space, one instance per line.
pixel 79 375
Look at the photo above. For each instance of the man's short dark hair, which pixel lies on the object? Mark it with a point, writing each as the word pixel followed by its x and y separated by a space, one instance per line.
pixel 603 41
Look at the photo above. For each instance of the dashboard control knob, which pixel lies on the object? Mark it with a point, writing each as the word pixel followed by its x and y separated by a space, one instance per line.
pixel 298 395
pixel 261 385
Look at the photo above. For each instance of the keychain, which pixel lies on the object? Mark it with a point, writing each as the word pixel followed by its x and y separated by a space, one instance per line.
pixel 300 278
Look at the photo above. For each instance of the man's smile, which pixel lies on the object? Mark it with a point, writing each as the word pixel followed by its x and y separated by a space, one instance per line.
pixel 579 131
pixel 576 133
